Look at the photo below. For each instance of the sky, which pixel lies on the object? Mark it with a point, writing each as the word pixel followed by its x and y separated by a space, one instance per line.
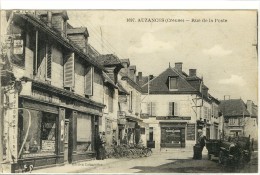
pixel 222 52
pixel 218 43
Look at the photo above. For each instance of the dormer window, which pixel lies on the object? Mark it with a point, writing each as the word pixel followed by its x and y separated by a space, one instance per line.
pixel 173 83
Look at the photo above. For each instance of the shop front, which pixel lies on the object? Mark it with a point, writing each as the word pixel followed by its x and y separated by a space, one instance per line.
pixel 48 133
pixel 173 135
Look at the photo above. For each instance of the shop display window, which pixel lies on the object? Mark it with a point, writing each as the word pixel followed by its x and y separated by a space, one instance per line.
pixel 41 139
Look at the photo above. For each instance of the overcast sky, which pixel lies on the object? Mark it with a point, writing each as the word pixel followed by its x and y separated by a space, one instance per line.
pixel 223 53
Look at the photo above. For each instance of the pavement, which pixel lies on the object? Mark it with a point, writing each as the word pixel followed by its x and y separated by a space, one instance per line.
pixel 93 165
pixel 170 161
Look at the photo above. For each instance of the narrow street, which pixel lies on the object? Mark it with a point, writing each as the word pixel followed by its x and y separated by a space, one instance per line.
pixel 172 162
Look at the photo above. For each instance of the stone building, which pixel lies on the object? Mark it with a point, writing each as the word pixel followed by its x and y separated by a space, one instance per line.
pixel 176 105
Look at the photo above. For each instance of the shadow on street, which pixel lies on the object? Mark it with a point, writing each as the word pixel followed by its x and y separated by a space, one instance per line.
pixel 200 166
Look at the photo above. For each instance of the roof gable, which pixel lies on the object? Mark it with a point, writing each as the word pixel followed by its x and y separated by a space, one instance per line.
pixel 160 83
pixel 233 108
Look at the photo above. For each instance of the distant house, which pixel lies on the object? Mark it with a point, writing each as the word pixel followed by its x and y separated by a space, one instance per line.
pixel 236 116
pixel 176 105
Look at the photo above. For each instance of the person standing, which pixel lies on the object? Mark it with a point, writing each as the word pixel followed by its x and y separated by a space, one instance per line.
pixel 100 147
pixel 198 148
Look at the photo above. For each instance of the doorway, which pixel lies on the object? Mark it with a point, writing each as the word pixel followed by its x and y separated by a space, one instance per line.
pixel 66 141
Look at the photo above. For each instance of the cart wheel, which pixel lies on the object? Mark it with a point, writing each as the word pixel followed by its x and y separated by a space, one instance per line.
pixel 221 157
pixel 209 156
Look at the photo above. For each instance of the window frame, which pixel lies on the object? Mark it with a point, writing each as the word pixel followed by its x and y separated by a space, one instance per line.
pixel 169 81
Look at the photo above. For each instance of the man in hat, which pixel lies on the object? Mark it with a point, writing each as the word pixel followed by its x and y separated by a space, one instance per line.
pixel 201 142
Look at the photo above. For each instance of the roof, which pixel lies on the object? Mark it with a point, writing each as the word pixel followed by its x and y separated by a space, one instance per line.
pixel 108 80
pixel 125 61
pixel 78 30
pixel 109 59
pixel 54 12
pixel 233 108
pixel 130 81
pixel 122 89
pixel 159 84
pixel 132 67
pixel 57 37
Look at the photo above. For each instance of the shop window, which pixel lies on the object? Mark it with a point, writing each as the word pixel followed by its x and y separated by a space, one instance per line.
pixel 41 139
pixel 84 133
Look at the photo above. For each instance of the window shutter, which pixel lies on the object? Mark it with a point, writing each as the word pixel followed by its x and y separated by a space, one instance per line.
pixel 89 81
pixel 69 76
pixel 176 112
pixel 170 108
pixel 149 108
pixel 48 62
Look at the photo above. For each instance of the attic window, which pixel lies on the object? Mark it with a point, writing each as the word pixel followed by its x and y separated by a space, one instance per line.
pixel 173 83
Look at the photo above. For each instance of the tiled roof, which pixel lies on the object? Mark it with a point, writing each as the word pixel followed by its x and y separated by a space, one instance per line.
pixel 78 30
pixel 233 108
pixel 159 84
pixel 109 59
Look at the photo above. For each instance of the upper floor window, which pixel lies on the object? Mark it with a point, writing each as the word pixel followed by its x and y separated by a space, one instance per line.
pixel 173 83
pixel 151 108
pixel 18 46
pixel 131 100
pixel 173 109
pixel 110 99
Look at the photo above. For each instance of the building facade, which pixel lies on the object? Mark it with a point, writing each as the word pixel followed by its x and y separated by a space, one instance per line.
pixel 132 130
pixel 238 120
pixel 175 109
pixel 55 100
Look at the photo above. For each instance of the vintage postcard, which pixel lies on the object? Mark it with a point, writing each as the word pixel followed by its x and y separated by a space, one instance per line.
pixel 129 91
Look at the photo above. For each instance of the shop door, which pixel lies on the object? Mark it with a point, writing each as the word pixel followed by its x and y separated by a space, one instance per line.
pixel 172 137
pixel 66 142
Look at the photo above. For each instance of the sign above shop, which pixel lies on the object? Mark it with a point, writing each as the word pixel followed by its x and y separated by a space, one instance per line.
pixel 172 118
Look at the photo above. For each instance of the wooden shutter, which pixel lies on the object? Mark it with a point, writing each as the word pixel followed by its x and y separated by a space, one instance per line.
pixel 149 108
pixel 170 109
pixel 176 111
pixel 89 80
pixel 48 61
pixel 69 75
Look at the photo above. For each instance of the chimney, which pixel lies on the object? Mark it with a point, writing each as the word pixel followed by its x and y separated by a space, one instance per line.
pixel 249 106
pixel 192 72
pixel 178 66
pixel 49 18
pixel 132 70
pixel 79 36
pixel 139 78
